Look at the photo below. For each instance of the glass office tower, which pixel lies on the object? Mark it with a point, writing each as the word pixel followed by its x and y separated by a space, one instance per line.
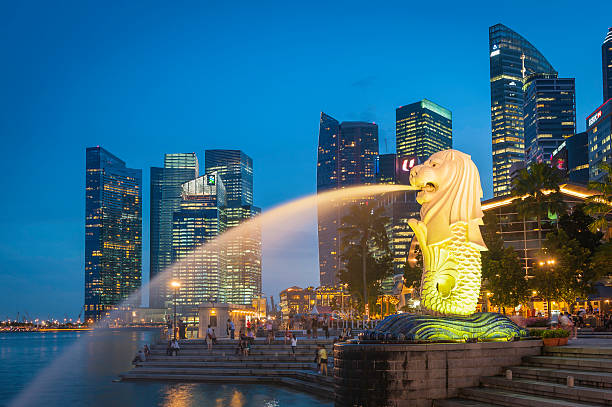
pixel 236 170
pixel 199 267
pixel 347 155
pixel 386 169
pixel 512 58
pixel 549 114
pixel 242 281
pixel 578 157
pixel 599 129
pixel 113 233
pixel 165 199
pixel 422 128
pixel 606 65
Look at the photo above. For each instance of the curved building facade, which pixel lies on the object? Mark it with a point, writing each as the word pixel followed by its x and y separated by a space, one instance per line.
pixel 512 58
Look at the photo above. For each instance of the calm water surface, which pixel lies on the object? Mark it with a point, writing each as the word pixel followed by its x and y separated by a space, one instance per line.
pixel 78 369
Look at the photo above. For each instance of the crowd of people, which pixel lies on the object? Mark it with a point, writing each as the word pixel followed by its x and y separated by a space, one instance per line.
pixel 311 327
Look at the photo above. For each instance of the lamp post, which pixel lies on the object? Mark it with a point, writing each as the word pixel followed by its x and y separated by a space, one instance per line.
pixel 175 285
pixel 548 267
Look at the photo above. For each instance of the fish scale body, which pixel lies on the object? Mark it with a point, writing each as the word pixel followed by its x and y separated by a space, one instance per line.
pixel 460 259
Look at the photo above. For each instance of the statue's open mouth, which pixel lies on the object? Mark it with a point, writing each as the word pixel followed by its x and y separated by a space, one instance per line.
pixel 430 187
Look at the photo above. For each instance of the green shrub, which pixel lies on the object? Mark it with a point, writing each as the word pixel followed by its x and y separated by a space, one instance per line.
pixel 536 333
pixel 562 333
pixel 551 333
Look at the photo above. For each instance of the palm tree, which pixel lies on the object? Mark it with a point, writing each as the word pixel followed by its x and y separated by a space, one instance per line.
pixel 537 193
pixel 363 228
pixel 599 205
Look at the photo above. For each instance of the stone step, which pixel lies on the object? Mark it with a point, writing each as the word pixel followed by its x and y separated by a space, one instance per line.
pixel 237 365
pixel 574 363
pixel 547 389
pixel 459 402
pixel 221 358
pixel 596 335
pixel 581 378
pixel 580 352
pixel 511 399
pixel 220 371
pixel 230 352
pixel 306 375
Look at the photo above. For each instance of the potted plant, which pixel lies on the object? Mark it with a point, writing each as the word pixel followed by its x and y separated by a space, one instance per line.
pixel 563 336
pixel 549 337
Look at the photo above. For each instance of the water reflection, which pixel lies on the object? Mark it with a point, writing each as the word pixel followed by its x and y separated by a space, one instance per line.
pixel 84 375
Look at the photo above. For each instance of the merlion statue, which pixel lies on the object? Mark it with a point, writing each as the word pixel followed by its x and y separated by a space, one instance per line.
pixel 450 239
pixel 448 232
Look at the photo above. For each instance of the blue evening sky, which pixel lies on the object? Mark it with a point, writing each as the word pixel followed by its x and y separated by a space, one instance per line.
pixel 146 78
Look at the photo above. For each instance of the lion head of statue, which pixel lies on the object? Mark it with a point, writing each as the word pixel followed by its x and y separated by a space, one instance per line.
pixel 450 193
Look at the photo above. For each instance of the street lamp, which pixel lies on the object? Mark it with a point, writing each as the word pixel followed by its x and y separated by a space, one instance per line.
pixel 175 285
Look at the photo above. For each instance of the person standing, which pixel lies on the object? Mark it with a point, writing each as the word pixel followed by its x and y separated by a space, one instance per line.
pixel 270 332
pixel 209 337
pixel 314 327
pixel 293 344
pixel 323 360
pixel 232 328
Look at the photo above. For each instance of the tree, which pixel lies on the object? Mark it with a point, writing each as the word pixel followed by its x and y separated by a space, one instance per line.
pixel 413 271
pixel 600 205
pixel 537 193
pixel 365 249
pixel 502 272
pixel 576 225
pixel 545 281
pixel 573 273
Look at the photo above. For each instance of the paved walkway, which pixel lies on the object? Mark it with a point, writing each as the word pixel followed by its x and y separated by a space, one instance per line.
pixel 591 342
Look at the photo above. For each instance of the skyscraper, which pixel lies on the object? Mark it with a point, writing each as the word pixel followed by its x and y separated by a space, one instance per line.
pixel 165 199
pixel 422 128
pixel 201 217
pixel 599 130
pixel 242 281
pixel 347 155
pixel 512 58
pixel 606 65
pixel 550 114
pixel 386 169
pixel 113 233
pixel 236 170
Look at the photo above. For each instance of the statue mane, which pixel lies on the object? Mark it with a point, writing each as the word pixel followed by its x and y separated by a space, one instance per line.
pixel 456 200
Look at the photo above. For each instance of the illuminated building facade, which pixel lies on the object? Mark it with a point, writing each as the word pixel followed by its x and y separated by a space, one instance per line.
pixel 599 129
pixel 347 156
pixel 113 233
pixel 201 217
pixel 521 233
pixel 606 65
pixel 386 169
pixel 422 129
pixel 242 282
pixel 549 114
pixel 166 194
pixel 512 58
pixel 296 300
pixel 577 147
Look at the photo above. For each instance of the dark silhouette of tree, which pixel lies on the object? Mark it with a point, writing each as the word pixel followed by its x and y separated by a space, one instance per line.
pixel 599 206
pixel 502 272
pixel 365 250
pixel 537 193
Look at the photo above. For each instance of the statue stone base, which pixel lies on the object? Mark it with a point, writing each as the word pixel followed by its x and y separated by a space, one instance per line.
pixel 481 326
